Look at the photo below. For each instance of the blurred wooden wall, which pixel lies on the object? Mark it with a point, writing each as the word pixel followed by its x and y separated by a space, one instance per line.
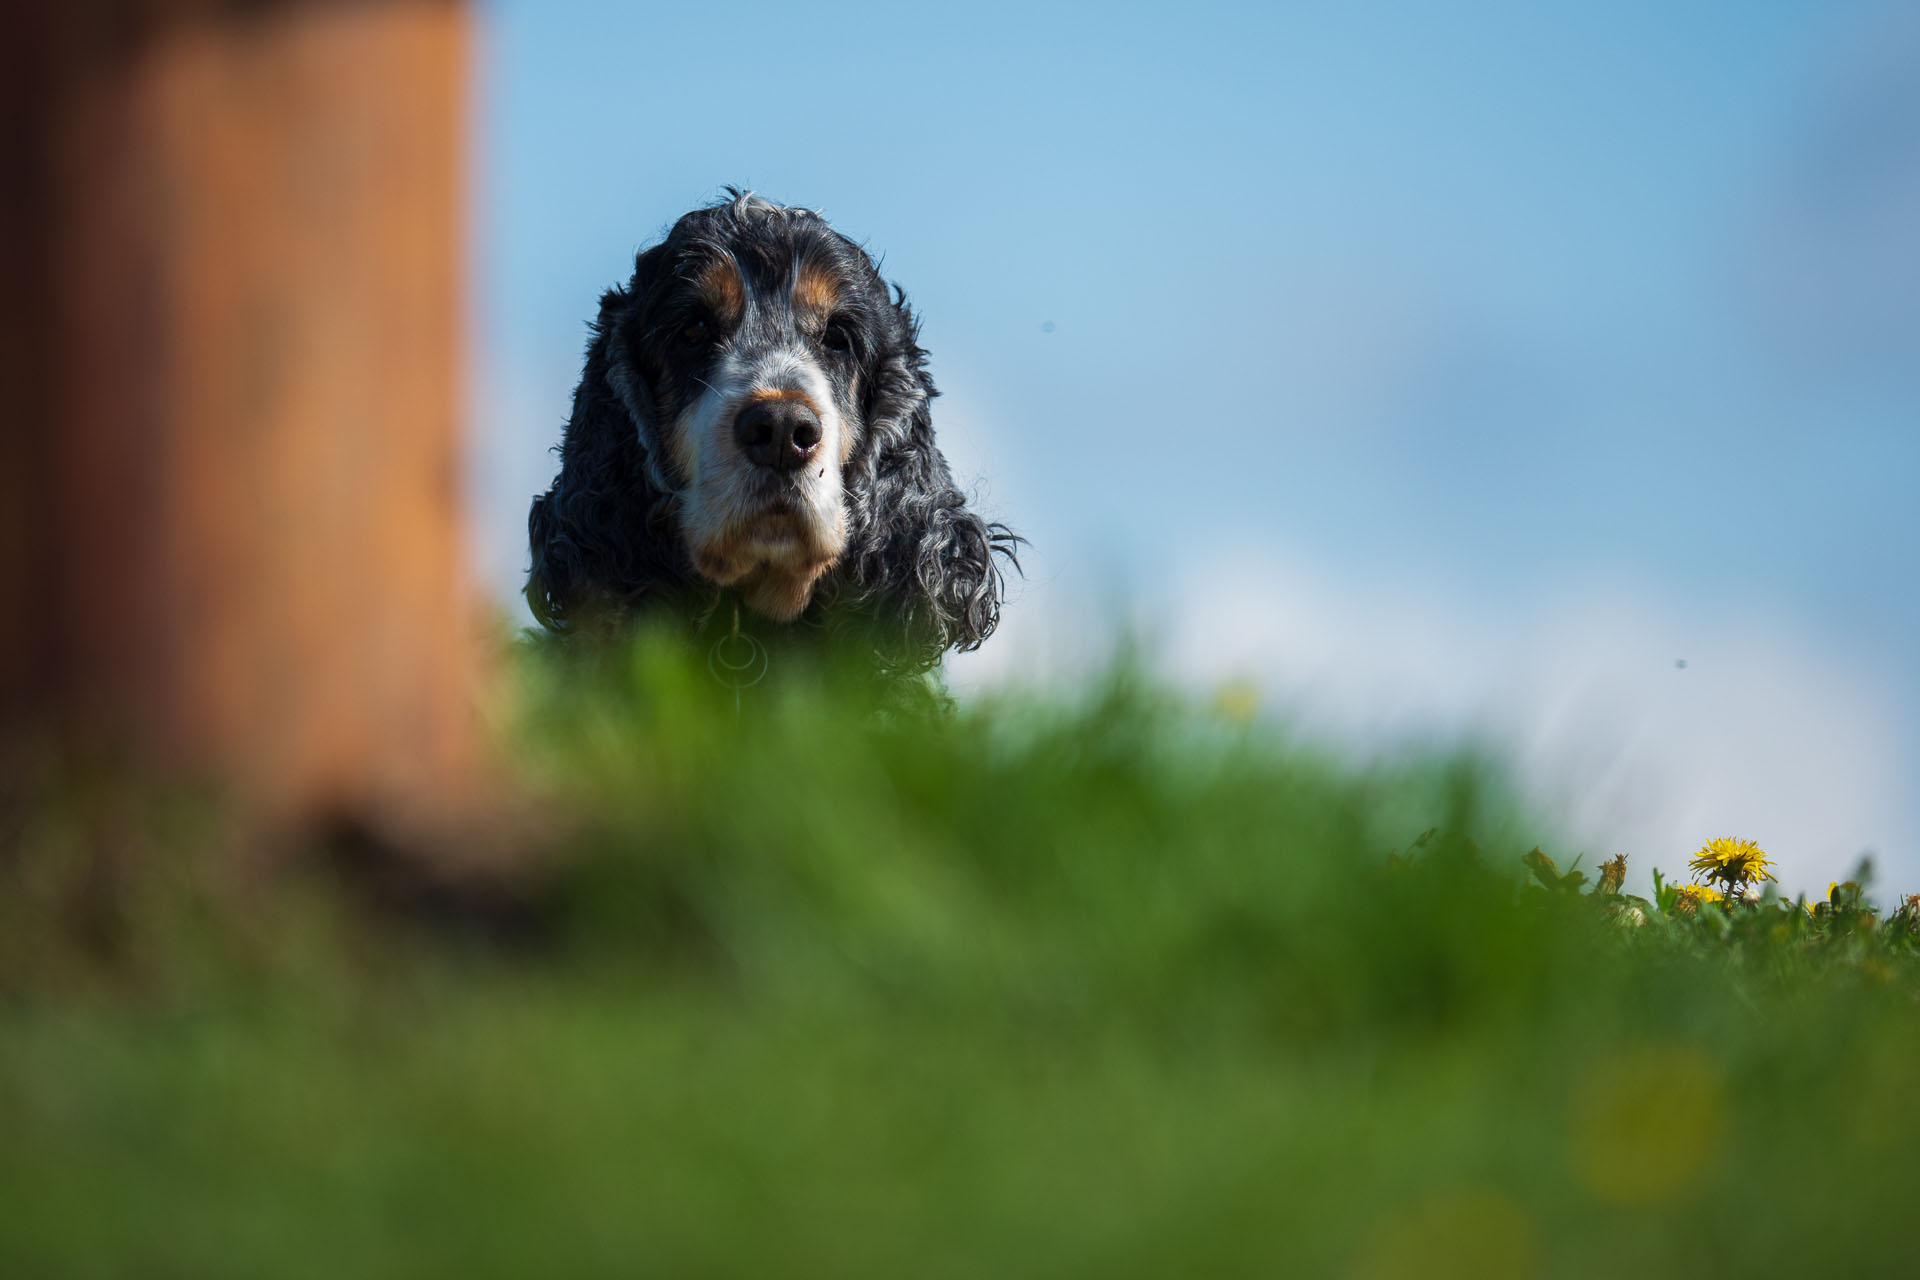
pixel 230 457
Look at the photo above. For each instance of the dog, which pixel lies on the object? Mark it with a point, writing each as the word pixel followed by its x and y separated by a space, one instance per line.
pixel 753 424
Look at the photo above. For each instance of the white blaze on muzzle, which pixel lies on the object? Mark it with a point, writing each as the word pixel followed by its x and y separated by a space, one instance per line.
pixel 773 533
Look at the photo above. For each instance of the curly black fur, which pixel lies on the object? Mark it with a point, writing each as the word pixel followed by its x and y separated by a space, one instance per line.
pixel 921 574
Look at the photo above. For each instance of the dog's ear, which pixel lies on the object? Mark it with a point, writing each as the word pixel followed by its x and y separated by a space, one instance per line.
pixel 926 570
pixel 598 535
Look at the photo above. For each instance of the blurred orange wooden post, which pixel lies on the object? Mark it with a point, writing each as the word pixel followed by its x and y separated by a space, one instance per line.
pixel 230 462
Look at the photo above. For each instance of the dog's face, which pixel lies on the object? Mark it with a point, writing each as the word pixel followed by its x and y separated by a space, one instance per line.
pixel 754 417
pixel 751 345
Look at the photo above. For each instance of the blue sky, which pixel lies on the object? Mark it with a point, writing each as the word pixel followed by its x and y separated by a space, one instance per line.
pixel 1441 371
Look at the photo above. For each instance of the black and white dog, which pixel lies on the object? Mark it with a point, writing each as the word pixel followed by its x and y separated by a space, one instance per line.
pixel 754 420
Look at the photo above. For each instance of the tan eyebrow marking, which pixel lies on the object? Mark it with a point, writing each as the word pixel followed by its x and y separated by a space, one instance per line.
pixel 816 291
pixel 720 287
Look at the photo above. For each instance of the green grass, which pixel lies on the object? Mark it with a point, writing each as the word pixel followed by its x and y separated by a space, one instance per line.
pixel 1108 986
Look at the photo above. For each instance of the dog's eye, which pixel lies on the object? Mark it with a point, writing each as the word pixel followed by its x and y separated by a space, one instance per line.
pixel 838 337
pixel 696 333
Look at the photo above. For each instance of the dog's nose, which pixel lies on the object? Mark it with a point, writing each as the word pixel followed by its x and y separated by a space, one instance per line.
pixel 780 434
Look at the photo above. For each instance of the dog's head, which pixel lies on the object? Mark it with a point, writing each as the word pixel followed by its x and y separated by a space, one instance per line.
pixel 753 339
pixel 754 416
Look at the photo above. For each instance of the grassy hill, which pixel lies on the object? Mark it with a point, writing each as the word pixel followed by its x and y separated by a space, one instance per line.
pixel 1108 985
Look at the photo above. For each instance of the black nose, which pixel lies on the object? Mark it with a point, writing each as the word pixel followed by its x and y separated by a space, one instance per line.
pixel 780 434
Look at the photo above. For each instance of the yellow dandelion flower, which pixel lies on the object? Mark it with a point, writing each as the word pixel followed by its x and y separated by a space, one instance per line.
pixel 1732 862
pixel 1692 895
pixel 1237 702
